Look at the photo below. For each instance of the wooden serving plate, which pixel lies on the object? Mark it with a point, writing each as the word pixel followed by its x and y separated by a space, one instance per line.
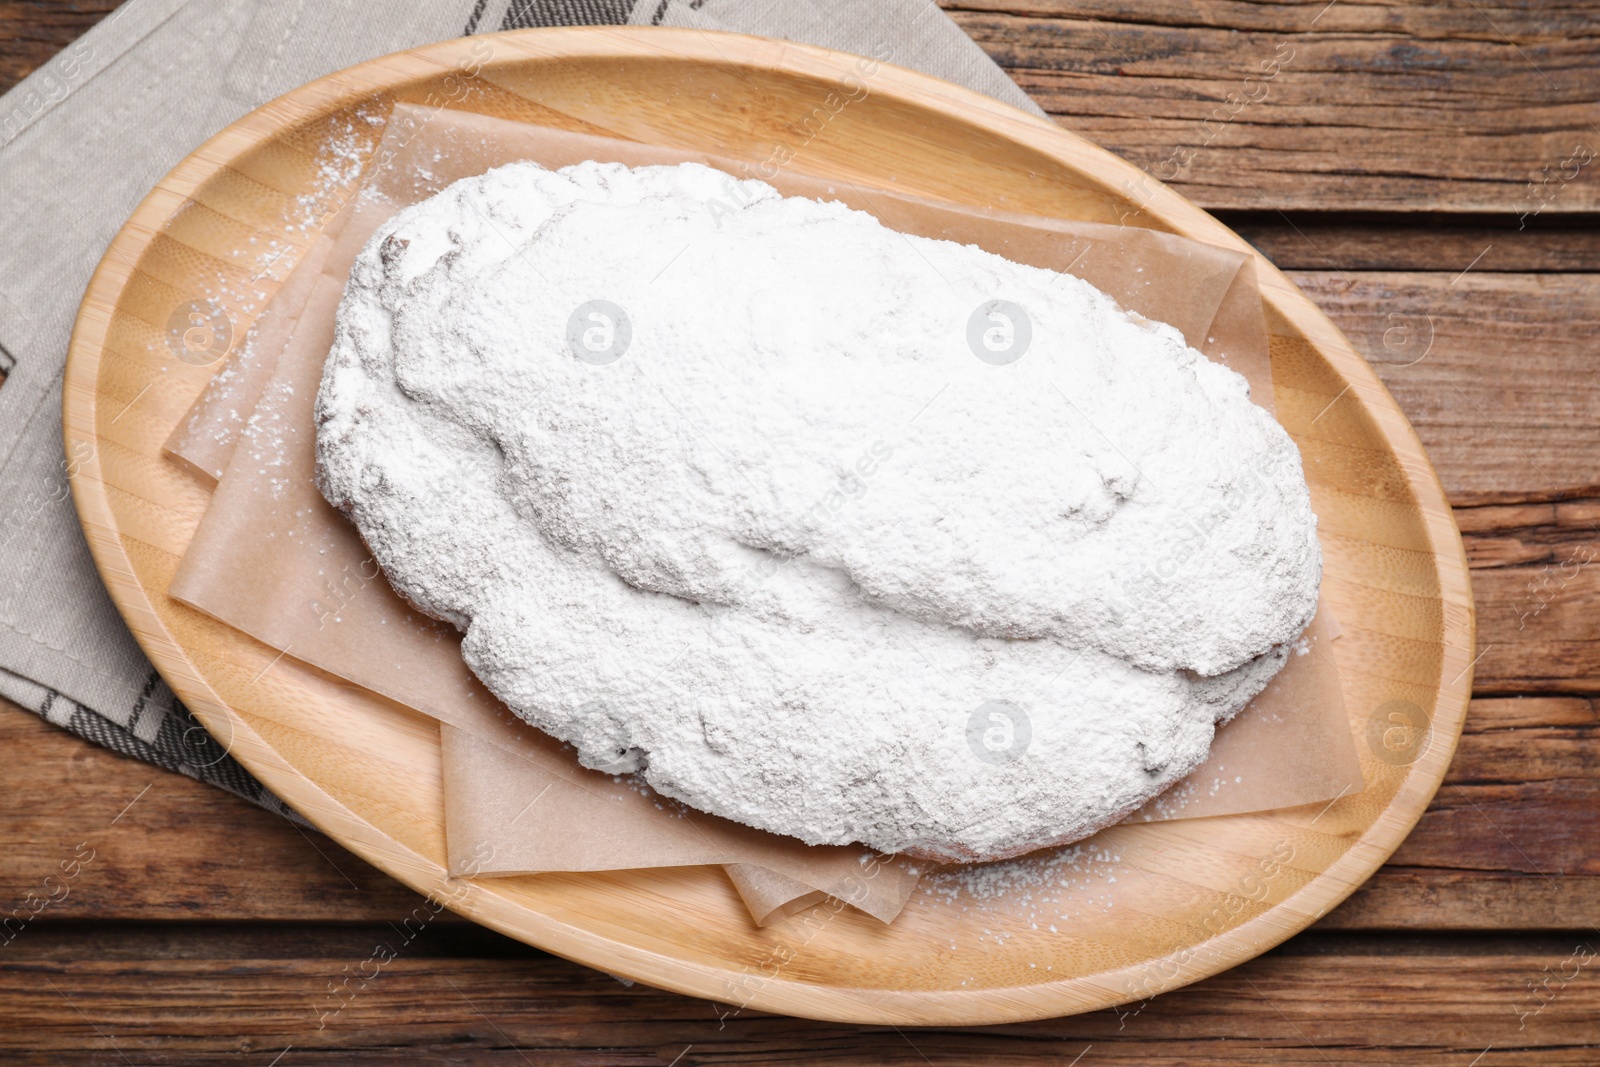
pixel 1195 896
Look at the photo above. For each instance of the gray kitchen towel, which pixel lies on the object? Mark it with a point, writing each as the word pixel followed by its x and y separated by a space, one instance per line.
pixel 86 136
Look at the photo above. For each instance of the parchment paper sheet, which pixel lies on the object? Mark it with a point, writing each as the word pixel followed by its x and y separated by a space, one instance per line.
pixel 205 439
pixel 274 560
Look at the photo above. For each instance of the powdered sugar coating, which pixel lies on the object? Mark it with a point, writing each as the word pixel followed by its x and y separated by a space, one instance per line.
pixel 791 550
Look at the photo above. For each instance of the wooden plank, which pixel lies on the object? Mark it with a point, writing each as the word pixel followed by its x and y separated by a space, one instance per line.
pixel 186 994
pixel 1401 898
pixel 1345 106
pixel 1547 829
pixel 182 850
pixel 1543 621
pixel 1525 755
pixel 1501 713
pixel 1543 22
pixel 1542 844
pixel 1536 588
pixel 35 30
pixel 1496 371
pixel 1325 241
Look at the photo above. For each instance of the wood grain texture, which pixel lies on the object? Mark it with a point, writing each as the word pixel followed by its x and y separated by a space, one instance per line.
pixel 1496 371
pixel 1535 564
pixel 368 772
pixel 1343 106
pixel 1455 108
pixel 1506 844
pixel 449 996
pixel 1331 242
pixel 1534 550
pixel 183 850
pixel 186 851
pixel 33 31
pixel 595 1020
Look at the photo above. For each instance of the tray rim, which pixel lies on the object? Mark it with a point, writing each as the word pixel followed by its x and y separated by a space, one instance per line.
pixel 486 906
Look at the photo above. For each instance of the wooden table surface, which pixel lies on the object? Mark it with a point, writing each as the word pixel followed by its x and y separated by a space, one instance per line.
pixel 1428 173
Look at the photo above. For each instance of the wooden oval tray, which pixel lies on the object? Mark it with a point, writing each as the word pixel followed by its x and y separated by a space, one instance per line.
pixel 1209 893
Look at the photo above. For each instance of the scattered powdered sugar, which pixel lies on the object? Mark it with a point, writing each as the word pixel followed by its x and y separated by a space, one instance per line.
pixel 1051 891
pixel 1048 877
pixel 237 291
pixel 341 156
pixel 840 532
